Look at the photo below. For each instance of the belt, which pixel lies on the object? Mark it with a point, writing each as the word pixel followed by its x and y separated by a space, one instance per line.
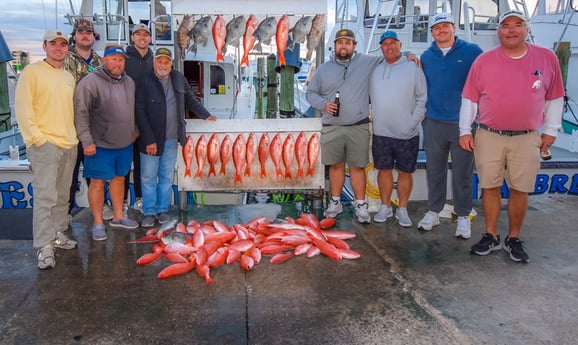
pixel 507 133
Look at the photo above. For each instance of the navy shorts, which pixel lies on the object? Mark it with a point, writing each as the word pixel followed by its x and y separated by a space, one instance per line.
pixel 389 153
pixel 108 163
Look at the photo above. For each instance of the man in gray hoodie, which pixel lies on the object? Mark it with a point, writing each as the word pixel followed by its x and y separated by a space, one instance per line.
pixel 105 123
pixel 398 94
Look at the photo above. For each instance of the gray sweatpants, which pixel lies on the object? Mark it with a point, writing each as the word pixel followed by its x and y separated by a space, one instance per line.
pixel 441 139
pixel 51 169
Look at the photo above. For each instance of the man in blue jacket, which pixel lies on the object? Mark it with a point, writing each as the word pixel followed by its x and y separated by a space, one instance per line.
pixel 161 98
pixel 446 65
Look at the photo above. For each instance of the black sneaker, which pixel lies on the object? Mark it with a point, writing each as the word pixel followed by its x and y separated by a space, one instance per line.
pixel 516 249
pixel 486 245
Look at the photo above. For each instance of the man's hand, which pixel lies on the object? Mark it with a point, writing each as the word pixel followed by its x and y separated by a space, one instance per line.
pixel 211 118
pixel 151 149
pixel 414 58
pixel 330 107
pixel 467 142
pixel 90 150
pixel 547 141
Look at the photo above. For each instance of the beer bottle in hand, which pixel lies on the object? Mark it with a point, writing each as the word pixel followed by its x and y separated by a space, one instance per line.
pixel 337 103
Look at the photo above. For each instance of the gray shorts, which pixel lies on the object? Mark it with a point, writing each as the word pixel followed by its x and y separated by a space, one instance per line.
pixel 345 144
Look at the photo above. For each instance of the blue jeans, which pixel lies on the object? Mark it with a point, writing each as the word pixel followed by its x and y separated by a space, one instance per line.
pixel 157 173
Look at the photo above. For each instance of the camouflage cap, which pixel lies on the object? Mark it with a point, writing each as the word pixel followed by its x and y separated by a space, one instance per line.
pixel 83 24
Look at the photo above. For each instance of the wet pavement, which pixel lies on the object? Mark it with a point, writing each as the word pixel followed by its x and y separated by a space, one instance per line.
pixel 409 287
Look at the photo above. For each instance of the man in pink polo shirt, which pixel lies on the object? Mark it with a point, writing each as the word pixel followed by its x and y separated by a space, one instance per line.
pixel 516 88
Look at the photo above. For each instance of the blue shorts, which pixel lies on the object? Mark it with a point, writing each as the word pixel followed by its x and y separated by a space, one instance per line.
pixel 108 163
pixel 389 153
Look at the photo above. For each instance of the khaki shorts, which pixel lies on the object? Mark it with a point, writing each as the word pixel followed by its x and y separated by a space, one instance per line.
pixel 345 144
pixel 517 158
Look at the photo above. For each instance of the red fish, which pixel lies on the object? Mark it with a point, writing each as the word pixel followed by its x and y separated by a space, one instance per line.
pixel 288 154
pixel 249 38
pixel 312 153
pixel 263 152
pixel 300 153
pixel 204 271
pixel 239 148
pixel 225 154
pixel 213 153
pixel 276 149
pixel 188 155
pixel 176 269
pixel 201 154
pixel 327 223
pixel 219 34
pixel 247 262
pixel 250 154
pixel 279 258
pixel 281 36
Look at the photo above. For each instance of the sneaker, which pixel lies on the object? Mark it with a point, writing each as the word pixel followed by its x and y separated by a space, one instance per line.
pixel 463 230
pixel 125 223
pixel 383 214
pixel 333 209
pixel 138 204
pixel 99 232
pixel 516 249
pixel 402 217
pixel 362 213
pixel 107 212
pixel 147 221
pixel 46 257
pixel 428 221
pixel 486 245
pixel 163 217
pixel 63 242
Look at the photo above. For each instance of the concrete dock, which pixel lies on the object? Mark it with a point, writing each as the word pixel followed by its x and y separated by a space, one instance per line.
pixel 409 287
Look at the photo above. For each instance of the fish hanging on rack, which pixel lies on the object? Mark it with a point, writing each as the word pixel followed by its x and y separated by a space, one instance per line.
pixel 300 31
pixel 200 33
pixel 201 155
pixel 281 36
pixel 183 39
pixel 219 34
pixel 249 38
pixel 250 152
pixel 239 150
pixel 263 152
pixel 312 153
pixel 314 36
pixel 301 152
pixel 213 153
pixel 188 153
pixel 265 32
pixel 225 154
pixel 235 29
pixel 288 154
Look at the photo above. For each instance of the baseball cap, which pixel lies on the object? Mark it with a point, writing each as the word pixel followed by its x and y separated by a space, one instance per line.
pixel 163 52
pixel 512 13
pixel 388 34
pixel 441 18
pixel 140 26
pixel 51 35
pixel 113 49
pixel 345 33
pixel 83 24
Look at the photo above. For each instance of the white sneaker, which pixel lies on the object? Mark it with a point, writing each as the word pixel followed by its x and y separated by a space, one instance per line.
pixel 63 242
pixel 138 204
pixel 107 212
pixel 402 217
pixel 383 214
pixel 428 221
pixel 362 213
pixel 463 230
pixel 333 209
pixel 46 257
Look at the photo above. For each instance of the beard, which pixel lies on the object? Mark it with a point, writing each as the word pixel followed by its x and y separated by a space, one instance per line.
pixel 343 55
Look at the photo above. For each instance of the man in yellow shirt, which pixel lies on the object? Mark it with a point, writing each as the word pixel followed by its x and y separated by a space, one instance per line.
pixel 45 115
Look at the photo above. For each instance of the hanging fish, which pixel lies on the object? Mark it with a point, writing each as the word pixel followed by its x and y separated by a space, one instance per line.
pixel 281 36
pixel 239 149
pixel 188 155
pixel 265 32
pixel 213 153
pixel 288 154
pixel 200 33
pixel 183 39
pixel 300 153
pixel 201 155
pixel 312 153
pixel 249 38
pixel 314 36
pixel 263 152
pixel 225 154
pixel 250 152
pixel 219 33
pixel 276 150
pixel 300 31
pixel 235 29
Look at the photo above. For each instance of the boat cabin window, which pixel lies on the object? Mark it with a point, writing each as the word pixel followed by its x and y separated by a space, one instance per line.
pixel 557 6
pixel 388 9
pixel 115 20
pixel 155 14
pixel 346 11
pixel 217 80
pixel 481 15
pixel 420 18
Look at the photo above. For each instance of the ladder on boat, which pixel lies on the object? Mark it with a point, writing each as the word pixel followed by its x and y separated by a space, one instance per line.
pixel 373 33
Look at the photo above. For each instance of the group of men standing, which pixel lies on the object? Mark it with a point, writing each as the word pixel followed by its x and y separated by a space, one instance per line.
pixel 75 104
pixel 459 90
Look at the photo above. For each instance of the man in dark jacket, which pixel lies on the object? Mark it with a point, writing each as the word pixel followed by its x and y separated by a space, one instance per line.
pixel 161 98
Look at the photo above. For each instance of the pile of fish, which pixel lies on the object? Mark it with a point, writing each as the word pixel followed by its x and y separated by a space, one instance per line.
pixel 207 245
pixel 307 28
pixel 244 152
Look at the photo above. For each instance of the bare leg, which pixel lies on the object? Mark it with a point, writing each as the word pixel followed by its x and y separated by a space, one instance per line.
pixel 116 191
pixel 357 179
pixel 336 178
pixel 517 207
pixel 491 200
pixel 385 183
pixel 404 187
pixel 96 199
